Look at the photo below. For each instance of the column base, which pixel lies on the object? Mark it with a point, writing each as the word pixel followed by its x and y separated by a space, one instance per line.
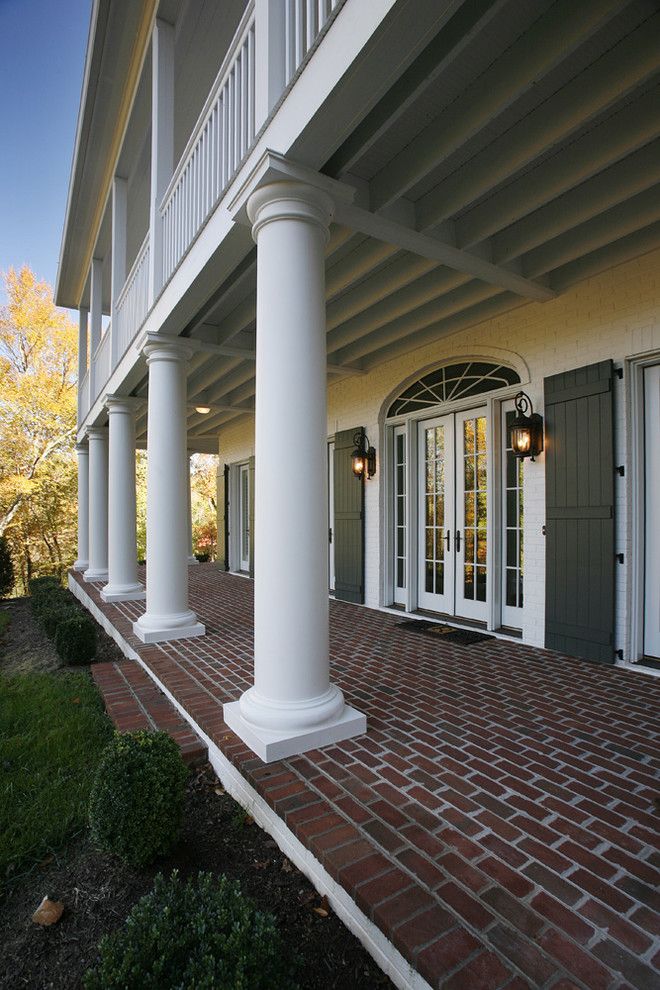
pixel 95 576
pixel 123 593
pixel 278 744
pixel 80 565
pixel 160 628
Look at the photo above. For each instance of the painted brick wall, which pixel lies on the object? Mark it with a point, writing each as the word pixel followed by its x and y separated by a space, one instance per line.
pixel 614 315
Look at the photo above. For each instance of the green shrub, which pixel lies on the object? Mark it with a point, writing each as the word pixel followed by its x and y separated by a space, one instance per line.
pixel 6 568
pixel 199 935
pixel 39 586
pixel 75 638
pixel 52 617
pixel 136 805
pixel 203 558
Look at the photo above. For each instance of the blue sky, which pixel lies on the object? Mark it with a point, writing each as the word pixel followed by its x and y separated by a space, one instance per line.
pixel 42 53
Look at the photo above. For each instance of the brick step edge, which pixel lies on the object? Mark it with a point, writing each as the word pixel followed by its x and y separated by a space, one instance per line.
pixel 133 701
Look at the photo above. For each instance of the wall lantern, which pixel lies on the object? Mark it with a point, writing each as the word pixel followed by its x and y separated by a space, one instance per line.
pixel 526 430
pixel 203 410
pixel 363 457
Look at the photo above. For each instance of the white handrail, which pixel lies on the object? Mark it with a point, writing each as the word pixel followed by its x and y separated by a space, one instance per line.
pixel 133 301
pixel 222 136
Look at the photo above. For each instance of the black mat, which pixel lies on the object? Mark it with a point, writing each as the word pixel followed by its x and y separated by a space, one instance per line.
pixel 448 634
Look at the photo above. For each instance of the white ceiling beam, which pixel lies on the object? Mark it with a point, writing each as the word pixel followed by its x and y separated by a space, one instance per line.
pixel 612 225
pixel 616 184
pixel 622 69
pixel 438 56
pixel 400 272
pixel 444 328
pixel 430 287
pixel 538 51
pixel 406 239
pixel 626 131
pixel 418 320
pixel 605 258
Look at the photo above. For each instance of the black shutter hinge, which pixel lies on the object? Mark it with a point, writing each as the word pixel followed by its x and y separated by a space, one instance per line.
pixel 618 654
pixel 619 373
pixel 619 557
pixel 330 535
pixel 620 470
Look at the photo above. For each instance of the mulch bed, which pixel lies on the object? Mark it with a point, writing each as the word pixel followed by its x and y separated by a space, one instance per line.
pixel 98 892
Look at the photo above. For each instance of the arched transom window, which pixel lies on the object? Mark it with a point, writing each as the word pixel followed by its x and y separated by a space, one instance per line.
pixel 452 382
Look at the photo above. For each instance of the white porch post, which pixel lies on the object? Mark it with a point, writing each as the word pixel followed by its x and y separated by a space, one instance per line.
pixel 96 305
pixel 162 143
pixel 119 219
pixel 270 60
pixel 98 504
pixel 192 559
pixel 83 319
pixel 123 584
pixel 292 706
pixel 167 615
pixel 82 452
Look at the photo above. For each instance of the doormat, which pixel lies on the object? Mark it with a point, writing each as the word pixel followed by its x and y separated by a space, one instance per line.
pixel 448 634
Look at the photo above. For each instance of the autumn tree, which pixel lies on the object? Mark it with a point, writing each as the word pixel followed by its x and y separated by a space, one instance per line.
pixel 204 498
pixel 38 357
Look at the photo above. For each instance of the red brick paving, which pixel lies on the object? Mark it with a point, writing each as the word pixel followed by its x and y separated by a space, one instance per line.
pixel 496 822
pixel 133 701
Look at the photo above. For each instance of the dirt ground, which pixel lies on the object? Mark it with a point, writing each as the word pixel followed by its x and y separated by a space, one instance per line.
pixel 98 892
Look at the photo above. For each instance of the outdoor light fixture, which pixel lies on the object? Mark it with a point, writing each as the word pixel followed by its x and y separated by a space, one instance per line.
pixel 203 410
pixel 526 430
pixel 363 457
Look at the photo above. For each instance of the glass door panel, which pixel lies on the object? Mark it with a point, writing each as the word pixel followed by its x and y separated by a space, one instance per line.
pixel 512 527
pixel 471 536
pixel 244 510
pixel 436 514
pixel 400 535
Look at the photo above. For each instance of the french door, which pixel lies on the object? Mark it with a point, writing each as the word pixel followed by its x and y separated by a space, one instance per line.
pixel 651 514
pixel 244 516
pixel 452 514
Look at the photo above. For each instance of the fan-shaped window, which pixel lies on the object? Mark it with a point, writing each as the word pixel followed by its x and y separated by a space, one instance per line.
pixel 452 382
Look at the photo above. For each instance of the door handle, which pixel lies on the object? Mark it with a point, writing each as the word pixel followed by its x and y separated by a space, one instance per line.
pixel 458 541
pixel 448 539
pixel 330 536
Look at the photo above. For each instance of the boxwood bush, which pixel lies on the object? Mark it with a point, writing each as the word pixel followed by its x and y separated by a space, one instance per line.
pixel 136 804
pixel 202 934
pixel 75 638
pixel 55 611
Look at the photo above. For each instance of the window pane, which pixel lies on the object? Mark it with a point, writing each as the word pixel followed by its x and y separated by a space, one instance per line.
pixel 439 578
pixel 481 584
pixel 429 577
pixel 468 589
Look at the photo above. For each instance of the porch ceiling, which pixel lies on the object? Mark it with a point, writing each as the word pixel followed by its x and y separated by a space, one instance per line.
pixel 518 155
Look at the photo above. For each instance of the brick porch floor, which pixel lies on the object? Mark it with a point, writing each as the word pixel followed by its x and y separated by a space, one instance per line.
pixel 497 822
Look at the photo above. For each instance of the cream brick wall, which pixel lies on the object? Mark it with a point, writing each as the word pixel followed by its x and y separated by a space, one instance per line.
pixel 615 315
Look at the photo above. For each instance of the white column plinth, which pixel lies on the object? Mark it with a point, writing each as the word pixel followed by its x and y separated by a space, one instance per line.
pixel 98 504
pixel 82 452
pixel 168 615
pixel 292 706
pixel 123 584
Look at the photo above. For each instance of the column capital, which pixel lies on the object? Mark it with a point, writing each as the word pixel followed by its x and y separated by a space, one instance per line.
pixel 96 432
pixel 128 404
pixel 82 450
pixel 278 188
pixel 158 347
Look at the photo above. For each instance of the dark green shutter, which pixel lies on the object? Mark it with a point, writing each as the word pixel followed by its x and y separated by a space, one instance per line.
pixel 579 460
pixel 223 518
pixel 251 513
pixel 348 532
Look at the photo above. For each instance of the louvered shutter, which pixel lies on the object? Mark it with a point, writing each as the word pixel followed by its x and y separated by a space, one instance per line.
pixel 348 532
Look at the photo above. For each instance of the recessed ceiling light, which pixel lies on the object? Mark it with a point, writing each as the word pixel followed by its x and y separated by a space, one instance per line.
pixel 203 410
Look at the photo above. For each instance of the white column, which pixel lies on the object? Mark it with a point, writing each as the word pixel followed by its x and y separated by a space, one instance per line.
pixel 162 143
pixel 118 275
pixel 98 504
pixel 83 314
pixel 96 306
pixel 192 559
pixel 167 615
pixel 123 584
pixel 82 452
pixel 292 706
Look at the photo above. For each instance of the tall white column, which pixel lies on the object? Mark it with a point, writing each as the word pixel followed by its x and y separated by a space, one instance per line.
pixel 82 452
pixel 98 504
pixel 123 584
pixel 96 306
pixel 168 615
pixel 292 706
pixel 162 143
pixel 118 271
pixel 192 559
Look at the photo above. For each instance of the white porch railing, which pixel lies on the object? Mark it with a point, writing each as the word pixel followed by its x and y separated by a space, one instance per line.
pixel 83 397
pixel 224 133
pixel 133 301
pixel 304 19
pixel 102 363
